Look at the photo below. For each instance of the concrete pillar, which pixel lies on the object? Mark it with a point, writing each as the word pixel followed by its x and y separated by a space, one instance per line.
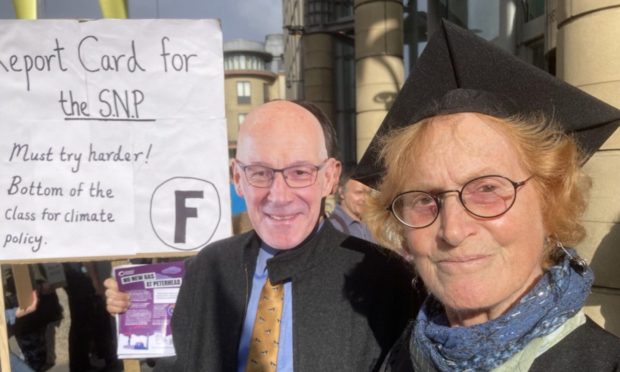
pixel 588 56
pixel 378 63
pixel 292 13
pixel 318 65
pixel 551 27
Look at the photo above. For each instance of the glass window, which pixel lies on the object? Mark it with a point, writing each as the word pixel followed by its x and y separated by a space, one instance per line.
pixel 534 9
pixel 243 92
pixel 241 118
pixel 537 54
pixel 265 92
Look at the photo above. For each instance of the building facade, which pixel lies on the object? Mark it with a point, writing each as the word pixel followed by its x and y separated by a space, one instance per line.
pixel 252 75
pixel 576 40
pixel 322 69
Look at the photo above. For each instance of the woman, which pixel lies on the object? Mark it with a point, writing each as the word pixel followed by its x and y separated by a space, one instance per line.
pixel 482 195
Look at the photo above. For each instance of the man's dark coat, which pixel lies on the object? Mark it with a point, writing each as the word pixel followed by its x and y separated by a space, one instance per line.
pixel 351 301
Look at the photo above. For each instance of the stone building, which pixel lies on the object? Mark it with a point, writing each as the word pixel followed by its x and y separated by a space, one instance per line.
pixel 352 56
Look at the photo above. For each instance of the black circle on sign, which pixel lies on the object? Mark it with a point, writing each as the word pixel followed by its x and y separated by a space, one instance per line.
pixel 219 213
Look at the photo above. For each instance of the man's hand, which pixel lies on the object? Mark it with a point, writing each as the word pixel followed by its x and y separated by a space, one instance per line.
pixel 116 301
pixel 33 306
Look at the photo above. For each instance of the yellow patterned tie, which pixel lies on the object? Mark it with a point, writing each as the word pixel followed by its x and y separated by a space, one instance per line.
pixel 263 354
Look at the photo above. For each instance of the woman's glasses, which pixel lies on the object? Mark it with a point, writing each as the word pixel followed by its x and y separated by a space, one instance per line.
pixel 485 197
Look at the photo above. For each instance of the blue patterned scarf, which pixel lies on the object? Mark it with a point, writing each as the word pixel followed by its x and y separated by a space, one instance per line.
pixel 558 295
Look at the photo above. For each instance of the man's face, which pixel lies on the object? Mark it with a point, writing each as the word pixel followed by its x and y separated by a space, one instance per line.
pixel 277 135
pixel 354 198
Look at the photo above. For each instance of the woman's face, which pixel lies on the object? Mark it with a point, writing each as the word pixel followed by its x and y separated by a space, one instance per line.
pixel 476 267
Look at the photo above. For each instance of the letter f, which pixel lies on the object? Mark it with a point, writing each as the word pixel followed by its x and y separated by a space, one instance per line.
pixel 183 213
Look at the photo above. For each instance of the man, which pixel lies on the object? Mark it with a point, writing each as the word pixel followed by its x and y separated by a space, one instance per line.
pixel 347 215
pixel 345 300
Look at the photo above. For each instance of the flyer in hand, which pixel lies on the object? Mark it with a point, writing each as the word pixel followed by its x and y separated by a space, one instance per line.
pixel 144 329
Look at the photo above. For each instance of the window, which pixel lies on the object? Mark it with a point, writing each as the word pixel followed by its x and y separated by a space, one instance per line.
pixel 265 93
pixel 534 9
pixel 240 118
pixel 243 92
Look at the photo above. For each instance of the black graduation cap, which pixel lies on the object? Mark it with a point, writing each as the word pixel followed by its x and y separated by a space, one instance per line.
pixel 461 72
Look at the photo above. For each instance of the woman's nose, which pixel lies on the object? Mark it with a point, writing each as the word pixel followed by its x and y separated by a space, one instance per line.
pixel 455 222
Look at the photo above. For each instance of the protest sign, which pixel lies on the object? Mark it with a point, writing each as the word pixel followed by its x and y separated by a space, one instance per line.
pixel 113 138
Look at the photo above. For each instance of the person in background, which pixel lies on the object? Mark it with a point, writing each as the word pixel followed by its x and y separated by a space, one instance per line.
pixel 347 214
pixel 31 330
pixel 12 314
pixel 481 184
pixel 340 302
pixel 91 335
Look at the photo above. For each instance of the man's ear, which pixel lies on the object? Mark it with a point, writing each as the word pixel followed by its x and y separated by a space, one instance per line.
pixel 332 177
pixel 236 177
pixel 337 176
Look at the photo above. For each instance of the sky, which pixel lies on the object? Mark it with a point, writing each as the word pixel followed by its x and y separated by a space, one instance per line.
pixel 241 19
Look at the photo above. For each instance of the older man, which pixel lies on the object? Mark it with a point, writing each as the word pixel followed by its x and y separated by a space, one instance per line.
pixel 347 215
pixel 345 300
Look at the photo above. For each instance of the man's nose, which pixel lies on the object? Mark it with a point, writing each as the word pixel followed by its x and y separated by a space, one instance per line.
pixel 279 189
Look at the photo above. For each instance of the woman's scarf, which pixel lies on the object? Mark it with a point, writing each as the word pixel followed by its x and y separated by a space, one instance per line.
pixel 559 294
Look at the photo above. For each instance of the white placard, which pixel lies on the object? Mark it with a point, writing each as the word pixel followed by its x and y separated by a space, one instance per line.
pixel 113 138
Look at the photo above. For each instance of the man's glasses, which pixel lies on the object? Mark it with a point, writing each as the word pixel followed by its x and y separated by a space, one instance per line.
pixel 485 197
pixel 295 176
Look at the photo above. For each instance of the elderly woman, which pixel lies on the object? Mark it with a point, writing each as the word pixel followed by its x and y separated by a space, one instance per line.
pixel 483 190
